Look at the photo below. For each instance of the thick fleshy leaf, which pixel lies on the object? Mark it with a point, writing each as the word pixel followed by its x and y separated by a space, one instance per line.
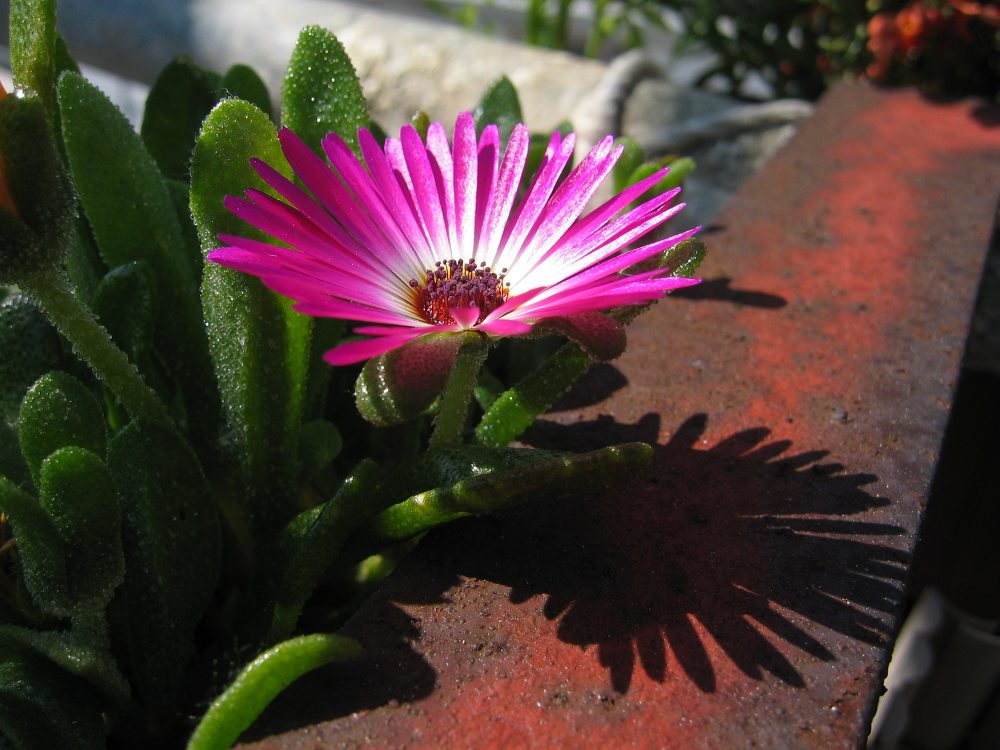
pixel 243 82
pixel 33 47
pixel 311 542
pixel 260 346
pixel 125 303
pixel 499 106
pixel 171 543
pixel 682 259
pixel 38 237
pixel 76 490
pixel 321 92
pixel 83 262
pixel 632 156
pixel 680 168
pixel 82 654
pixel 180 194
pixel 397 386
pixel 537 146
pixel 109 161
pixel 30 347
pixel 40 550
pixel 319 443
pixel 181 97
pixel 421 121
pixel 63 57
pixel 261 681
pixel 12 463
pixel 59 411
pixel 326 334
pixel 515 410
pixel 490 492
pixel 447 467
pixel 43 706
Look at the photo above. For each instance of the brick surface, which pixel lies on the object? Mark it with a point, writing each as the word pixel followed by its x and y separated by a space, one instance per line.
pixel 744 590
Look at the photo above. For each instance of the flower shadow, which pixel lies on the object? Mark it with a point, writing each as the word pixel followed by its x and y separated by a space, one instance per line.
pixel 744 544
pixel 742 551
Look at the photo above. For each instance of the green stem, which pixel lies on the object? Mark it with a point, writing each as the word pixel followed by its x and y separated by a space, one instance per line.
pixel 450 420
pixel 93 344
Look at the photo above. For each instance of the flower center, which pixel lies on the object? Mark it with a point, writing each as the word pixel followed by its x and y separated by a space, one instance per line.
pixel 455 283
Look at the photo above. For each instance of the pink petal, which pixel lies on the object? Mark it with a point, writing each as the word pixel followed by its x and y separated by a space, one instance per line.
pixel 465 161
pixel 464 316
pixel 505 327
pixel 439 153
pixel 503 195
pixel 358 351
pixel 557 156
pixel 397 203
pixel 488 162
pixel 422 186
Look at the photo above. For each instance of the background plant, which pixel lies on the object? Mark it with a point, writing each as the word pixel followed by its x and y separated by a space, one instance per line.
pixel 184 484
pixel 796 47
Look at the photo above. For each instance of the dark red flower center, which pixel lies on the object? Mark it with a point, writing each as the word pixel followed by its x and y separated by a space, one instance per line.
pixel 455 283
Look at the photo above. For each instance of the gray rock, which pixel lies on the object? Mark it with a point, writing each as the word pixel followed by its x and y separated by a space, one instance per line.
pixel 408 62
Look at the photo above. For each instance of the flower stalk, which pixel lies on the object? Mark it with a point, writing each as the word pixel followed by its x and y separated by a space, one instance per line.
pixel 457 393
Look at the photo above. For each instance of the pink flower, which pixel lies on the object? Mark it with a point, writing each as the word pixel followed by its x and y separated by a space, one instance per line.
pixel 428 238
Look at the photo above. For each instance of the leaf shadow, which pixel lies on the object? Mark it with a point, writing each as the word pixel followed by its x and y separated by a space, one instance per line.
pixel 720 290
pixel 746 541
pixel 744 544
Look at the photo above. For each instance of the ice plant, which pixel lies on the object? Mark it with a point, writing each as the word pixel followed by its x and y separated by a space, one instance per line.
pixel 425 237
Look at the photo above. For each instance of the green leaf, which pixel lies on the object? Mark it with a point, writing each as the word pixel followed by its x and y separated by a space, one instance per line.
pixel 319 443
pixel 83 262
pixel 36 239
pixel 682 259
pixel 515 410
pixel 33 47
pixel 501 107
pixel 401 384
pixel 538 144
pixel 326 334
pixel 563 476
pixel 680 168
pixel 63 58
pixel 76 491
pixel 321 91
pixel 243 82
pixel 311 542
pixel 110 162
pixel 447 467
pixel 181 97
pixel 58 411
pixel 180 194
pixel 632 156
pixel 171 542
pixel 125 303
pixel 260 346
pixel 12 463
pixel 78 653
pixel 421 122
pixel 261 681
pixel 43 706
pixel 30 347
pixel 40 548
